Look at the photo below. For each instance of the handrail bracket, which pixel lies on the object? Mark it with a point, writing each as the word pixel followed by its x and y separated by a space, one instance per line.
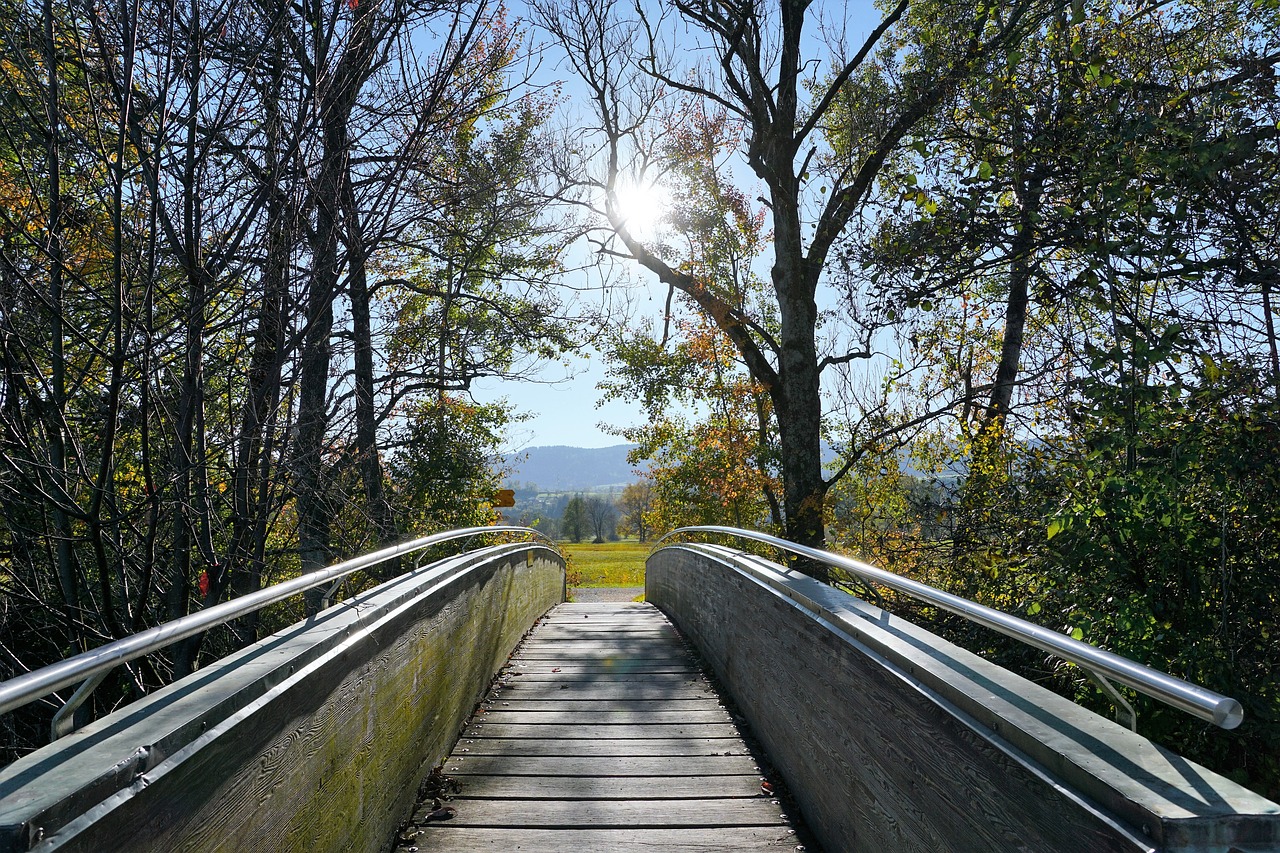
pixel 64 722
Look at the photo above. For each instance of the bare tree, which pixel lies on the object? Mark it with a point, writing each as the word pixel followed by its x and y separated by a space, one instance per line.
pixel 788 104
pixel 603 518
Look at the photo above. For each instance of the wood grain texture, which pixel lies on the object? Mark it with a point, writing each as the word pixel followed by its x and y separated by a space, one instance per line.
pixel 569 759
pixel 653 746
pixel 625 690
pixel 509 702
pixel 609 787
pixel 616 814
pixel 599 717
pixel 746 839
pixel 314 739
pixel 878 759
pixel 589 731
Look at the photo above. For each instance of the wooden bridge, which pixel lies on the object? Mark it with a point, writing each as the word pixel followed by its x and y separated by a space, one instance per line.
pixel 379 724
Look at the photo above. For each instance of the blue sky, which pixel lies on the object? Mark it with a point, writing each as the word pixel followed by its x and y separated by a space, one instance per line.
pixel 565 412
pixel 565 408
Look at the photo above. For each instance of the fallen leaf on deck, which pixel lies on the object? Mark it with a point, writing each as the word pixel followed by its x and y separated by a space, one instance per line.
pixel 441 814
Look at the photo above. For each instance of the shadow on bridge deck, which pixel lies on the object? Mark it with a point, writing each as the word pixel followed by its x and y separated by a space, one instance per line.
pixel 603 734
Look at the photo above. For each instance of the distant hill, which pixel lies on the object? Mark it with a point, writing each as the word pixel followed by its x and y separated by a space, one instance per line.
pixel 566 469
pixel 569 469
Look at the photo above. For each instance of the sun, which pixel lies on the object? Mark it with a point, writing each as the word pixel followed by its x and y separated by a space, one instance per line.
pixel 643 207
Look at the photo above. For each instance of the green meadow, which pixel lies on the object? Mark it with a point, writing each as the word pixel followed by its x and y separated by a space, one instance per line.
pixel 607 564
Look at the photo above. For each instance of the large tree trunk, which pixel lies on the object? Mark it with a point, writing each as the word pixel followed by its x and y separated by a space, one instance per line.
pixel 338 91
pixel 368 459
pixel 317 349
pixel 68 575
pixel 797 397
pixel 1028 192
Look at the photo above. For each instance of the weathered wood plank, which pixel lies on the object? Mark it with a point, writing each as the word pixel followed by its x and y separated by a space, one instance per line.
pixel 595 732
pixel 598 717
pixel 510 702
pixel 609 787
pixel 608 677
pixel 605 738
pixel 625 690
pixel 610 665
pixel 709 765
pixel 630 628
pixel 644 619
pixel 594 656
pixel 609 647
pixel 441 837
pixel 605 607
pixel 614 814
pixel 547 746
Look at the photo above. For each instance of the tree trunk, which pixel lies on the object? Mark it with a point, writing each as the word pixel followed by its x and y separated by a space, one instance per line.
pixel 68 579
pixel 313 416
pixel 367 457
pixel 252 477
pixel 798 407
pixel 1028 191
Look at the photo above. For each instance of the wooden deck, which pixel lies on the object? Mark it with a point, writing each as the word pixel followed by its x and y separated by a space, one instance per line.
pixel 603 736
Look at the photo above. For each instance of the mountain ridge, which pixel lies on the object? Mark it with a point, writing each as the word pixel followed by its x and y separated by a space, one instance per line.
pixel 562 468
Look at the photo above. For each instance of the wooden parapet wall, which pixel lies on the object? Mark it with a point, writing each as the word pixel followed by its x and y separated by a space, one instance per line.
pixel 892 739
pixel 313 739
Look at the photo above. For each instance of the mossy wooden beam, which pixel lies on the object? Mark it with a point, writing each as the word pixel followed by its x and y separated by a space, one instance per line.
pixel 313 739
pixel 891 738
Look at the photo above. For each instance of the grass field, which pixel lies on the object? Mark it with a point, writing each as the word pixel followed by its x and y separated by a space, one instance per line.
pixel 610 564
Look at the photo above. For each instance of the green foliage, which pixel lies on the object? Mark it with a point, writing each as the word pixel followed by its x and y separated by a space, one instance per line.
pixel 1089 229
pixel 1166 549
pixel 443 474
pixel 575 523
pixel 634 507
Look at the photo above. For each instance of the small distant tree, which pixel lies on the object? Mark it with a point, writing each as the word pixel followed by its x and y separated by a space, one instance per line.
pixel 635 501
pixel 444 474
pixel 575 522
pixel 603 519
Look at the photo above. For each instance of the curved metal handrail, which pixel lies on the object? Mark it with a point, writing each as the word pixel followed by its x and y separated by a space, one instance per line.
pixel 1222 711
pixel 92 665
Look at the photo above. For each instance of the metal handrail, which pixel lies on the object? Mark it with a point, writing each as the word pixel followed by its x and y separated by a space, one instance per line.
pixel 95 663
pixel 1222 711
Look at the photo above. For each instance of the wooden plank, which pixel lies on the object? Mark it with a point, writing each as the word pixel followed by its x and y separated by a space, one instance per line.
pixel 594 732
pixel 625 690
pixel 665 645
pixel 548 746
pixel 609 787
pixel 510 702
pixel 593 655
pixel 604 738
pixel 615 631
pixel 709 765
pixel 654 666
pixel 645 619
pixel 615 663
pixel 610 606
pixel 442 837
pixel 607 677
pixel 613 814
pixel 589 716
pixel 611 638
